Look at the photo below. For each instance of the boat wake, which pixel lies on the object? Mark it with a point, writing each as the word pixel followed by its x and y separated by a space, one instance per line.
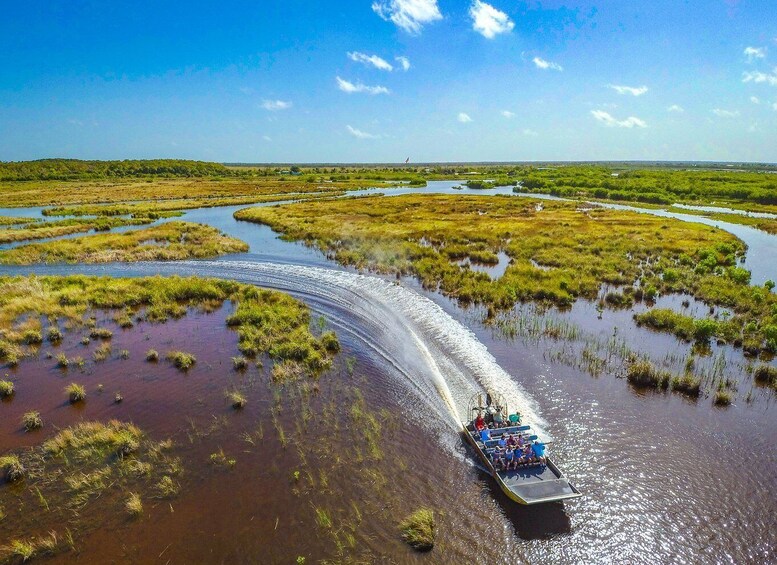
pixel 441 362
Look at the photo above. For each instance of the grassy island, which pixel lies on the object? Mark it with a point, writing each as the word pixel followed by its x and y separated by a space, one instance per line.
pixel 557 252
pixel 166 242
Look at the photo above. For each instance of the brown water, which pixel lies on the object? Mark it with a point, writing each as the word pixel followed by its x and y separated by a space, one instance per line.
pixel 666 479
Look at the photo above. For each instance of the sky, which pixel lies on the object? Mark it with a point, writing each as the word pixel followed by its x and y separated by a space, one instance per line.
pixel 383 80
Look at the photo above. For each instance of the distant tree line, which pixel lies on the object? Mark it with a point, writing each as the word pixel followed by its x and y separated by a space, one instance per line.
pixel 74 169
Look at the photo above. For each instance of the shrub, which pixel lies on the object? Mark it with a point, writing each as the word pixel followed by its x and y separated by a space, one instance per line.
pixel 418 529
pixel 182 360
pixel 240 363
pixel 704 329
pixel 6 389
pixel 152 355
pixel 32 421
pixel 75 392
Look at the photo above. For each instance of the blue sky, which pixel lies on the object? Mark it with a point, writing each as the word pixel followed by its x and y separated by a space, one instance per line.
pixel 382 80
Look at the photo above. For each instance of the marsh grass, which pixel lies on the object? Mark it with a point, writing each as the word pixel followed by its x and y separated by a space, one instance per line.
pixel 643 374
pixel 418 529
pixel 239 363
pixel 12 468
pixel 6 389
pixel 32 421
pixel 221 459
pixel 688 385
pixel 764 375
pixel 723 398
pixel 181 360
pixel 237 399
pixel 102 352
pixel 75 393
pixel 134 505
pixel 152 356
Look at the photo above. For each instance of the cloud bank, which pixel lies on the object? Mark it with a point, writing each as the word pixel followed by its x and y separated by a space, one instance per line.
pixel 409 15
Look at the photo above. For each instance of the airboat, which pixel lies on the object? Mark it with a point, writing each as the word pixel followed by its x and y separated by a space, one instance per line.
pixel 534 479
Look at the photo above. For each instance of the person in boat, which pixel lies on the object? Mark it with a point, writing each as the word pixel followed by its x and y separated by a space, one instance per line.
pixel 509 458
pixel 502 443
pixel 485 435
pixel 499 419
pixel 520 442
pixel 499 458
pixel 480 423
pixel 539 451
pixel 512 441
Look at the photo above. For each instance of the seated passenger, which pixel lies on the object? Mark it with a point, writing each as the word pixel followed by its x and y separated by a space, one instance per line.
pixel 520 441
pixel 509 456
pixel 499 420
pixel 480 423
pixel 502 442
pixel 485 435
pixel 512 441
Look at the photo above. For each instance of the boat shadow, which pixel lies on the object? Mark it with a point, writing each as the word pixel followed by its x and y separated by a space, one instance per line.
pixel 531 522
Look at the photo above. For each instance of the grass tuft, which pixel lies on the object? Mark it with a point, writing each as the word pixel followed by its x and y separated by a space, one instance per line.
pixel 75 393
pixel 32 421
pixel 11 466
pixel 152 356
pixel 134 505
pixel 642 374
pixel 723 398
pixel 766 375
pixel 237 399
pixel 6 389
pixel 182 360
pixel 418 529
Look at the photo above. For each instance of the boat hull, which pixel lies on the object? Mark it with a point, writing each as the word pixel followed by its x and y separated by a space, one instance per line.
pixel 537 484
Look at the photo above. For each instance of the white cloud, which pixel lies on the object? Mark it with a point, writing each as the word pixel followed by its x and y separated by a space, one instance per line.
pixel 350 87
pixel 463 118
pixel 508 114
pixel 609 121
pixel 543 64
pixel 725 113
pixel 633 90
pixel 404 62
pixel 676 108
pixel 753 53
pixel 275 105
pixel 755 100
pixel 360 134
pixel 488 21
pixel 368 60
pixel 266 138
pixel 410 15
pixel 757 76
pixel 530 133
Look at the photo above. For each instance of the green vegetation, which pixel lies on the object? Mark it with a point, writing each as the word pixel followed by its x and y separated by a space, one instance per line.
pixel 688 385
pixel 240 363
pixel 68 169
pixel 152 355
pixel 267 322
pixel 165 242
pixel 723 398
pixel 12 468
pixel 236 399
pixel 558 253
pixel 134 505
pixel 75 393
pixel 642 374
pixel 418 529
pixel 44 230
pixel 32 421
pixel 6 389
pixel 766 375
pixel 181 360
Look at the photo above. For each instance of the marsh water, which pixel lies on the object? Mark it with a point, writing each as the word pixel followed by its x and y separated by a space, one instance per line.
pixel 666 479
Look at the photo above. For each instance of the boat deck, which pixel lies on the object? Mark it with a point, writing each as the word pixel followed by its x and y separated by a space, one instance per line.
pixel 537 483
